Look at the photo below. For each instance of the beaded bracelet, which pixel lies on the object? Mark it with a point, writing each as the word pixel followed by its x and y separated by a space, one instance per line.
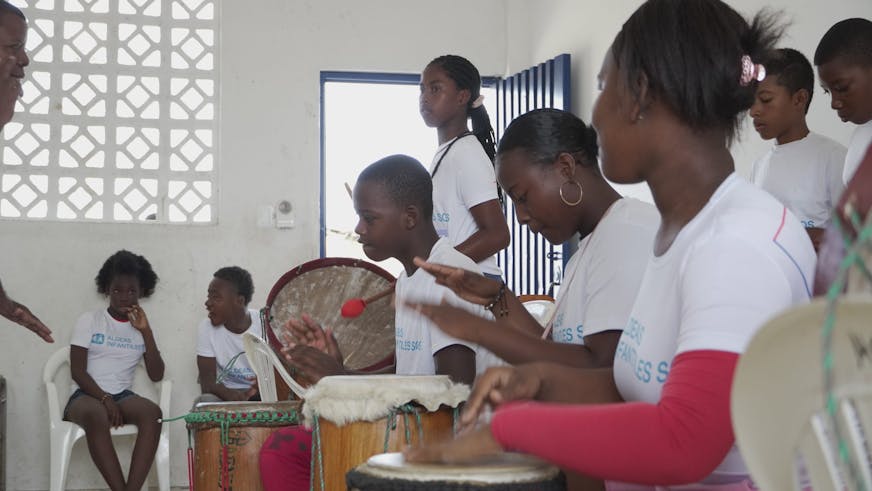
pixel 103 399
pixel 499 299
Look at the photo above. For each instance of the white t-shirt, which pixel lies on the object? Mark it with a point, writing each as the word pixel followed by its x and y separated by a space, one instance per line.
pixel 114 349
pixel 860 141
pixel 219 343
pixel 418 339
pixel 805 175
pixel 602 277
pixel 742 259
pixel 465 178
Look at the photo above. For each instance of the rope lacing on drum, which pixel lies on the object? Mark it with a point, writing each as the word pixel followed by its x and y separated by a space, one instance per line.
pixel 455 417
pixel 853 259
pixel 391 425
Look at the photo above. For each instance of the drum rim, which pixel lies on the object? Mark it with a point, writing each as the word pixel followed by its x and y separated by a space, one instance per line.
pixel 526 469
pixel 311 266
pixel 237 406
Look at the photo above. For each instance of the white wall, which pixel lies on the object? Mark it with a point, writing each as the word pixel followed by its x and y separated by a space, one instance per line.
pixel 271 54
pixel 585 29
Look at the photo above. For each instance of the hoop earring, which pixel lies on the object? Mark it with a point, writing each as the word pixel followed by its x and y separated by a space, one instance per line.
pixel 580 193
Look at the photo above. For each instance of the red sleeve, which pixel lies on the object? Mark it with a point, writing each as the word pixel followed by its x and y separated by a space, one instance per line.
pixel 679 440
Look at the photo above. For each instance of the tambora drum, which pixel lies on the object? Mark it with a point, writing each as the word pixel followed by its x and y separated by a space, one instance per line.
pixel 228 437
pixel 320 288
pixel 504 472
pixel 356 417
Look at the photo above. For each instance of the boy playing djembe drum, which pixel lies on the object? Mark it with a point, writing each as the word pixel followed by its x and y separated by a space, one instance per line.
pixel 393 200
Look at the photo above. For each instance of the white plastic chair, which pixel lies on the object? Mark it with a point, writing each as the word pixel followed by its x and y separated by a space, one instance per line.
pixel 263 360
pixel 778 399
pixel 64 434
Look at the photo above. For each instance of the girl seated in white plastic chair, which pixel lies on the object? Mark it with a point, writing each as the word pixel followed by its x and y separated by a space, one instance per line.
pixel 105 349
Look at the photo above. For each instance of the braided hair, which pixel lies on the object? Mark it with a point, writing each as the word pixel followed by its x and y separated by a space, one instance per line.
pixel 466 76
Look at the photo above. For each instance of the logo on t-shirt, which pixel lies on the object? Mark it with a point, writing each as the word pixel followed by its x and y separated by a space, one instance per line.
pixel 627 352
pixel 405 344
pixel 98 338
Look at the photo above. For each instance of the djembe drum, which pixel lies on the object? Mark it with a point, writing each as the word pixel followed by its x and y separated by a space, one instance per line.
pixel 319 288
pixel 504 472
pixel 356 417
pixel 228 437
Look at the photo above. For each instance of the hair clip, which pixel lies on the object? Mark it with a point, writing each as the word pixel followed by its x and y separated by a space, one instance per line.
pixel 478 102
pixel 751 71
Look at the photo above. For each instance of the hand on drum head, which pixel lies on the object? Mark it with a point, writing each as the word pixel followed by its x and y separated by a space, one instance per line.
pixel 307 331
pixel 308 365
pixel 454 321
pixel 467 285
pixel 499 385
pixel 466 448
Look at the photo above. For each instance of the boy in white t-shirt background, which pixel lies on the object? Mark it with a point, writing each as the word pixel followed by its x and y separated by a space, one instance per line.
pixel 803 169
pixel 844 62
pixel 224 371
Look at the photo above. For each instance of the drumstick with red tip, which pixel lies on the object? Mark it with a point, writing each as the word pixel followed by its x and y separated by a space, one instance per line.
pixel 355 306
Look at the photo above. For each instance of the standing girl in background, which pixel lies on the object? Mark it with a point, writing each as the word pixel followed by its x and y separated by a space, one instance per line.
pixel 726 258
pixel 466 205
pixel 105 349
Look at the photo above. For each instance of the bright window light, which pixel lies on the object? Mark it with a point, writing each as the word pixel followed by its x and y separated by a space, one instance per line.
pixel 364 122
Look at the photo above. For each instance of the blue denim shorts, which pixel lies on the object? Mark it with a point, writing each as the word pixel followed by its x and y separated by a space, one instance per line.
pixel 124 394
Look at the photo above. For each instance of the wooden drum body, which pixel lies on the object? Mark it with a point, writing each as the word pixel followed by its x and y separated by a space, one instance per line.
pixel 345 447
pixel 357 417
pixel 228 437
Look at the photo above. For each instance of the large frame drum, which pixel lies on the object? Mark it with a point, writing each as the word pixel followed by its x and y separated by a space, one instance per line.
pixel 320 288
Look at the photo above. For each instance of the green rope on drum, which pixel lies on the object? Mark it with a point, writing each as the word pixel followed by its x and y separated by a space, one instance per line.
pixel 290 417
pixel 391 424
pixel 420 427
pixel 406 429
pixel 226 420
pixel 455 417
pixel 853 259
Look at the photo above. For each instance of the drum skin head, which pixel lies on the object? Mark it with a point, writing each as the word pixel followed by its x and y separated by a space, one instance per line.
pixel 779 397
pixel 319 288
pixel 501 468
